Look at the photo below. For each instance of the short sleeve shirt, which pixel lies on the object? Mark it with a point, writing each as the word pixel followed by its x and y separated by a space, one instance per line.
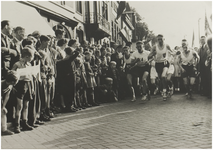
pixel 142 56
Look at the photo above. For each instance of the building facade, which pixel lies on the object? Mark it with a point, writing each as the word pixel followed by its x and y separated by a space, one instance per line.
pixel 93 21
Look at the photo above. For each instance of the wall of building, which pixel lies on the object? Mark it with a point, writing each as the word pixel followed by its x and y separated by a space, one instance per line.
pixel 71 11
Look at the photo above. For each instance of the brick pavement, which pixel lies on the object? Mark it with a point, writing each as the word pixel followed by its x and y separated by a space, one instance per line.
pixel 177 123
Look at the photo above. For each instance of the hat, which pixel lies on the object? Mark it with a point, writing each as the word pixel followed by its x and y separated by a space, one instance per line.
pixel 36 34
pixel 139 42
pixel 112 63
pixel 109 81
pixel 160 35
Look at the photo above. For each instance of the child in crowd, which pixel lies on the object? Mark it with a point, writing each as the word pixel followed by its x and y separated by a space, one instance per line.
pixel 113 73
pixel 91 84
pixel 45 99
pixel 24 89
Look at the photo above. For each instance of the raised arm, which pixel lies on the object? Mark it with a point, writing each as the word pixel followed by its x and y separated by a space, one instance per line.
pixel 75 54
pixel 195 54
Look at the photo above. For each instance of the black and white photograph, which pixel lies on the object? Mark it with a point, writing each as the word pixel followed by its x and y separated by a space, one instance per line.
pixel 106 74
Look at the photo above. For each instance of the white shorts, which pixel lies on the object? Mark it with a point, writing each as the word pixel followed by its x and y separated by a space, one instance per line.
pixel 171 69
pixel 153 73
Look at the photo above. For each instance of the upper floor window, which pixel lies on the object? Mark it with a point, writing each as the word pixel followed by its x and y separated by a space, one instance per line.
pixel 79 6
pixel 105 10
pixel 60 2
pixel 114 6
pixel 69 3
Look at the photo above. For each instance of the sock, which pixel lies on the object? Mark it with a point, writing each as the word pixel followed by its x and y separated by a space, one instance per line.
pixel 169 83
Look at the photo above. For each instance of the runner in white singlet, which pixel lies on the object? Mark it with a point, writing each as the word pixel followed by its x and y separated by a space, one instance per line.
pixel 127 65
pixel 188 59
pixel 142 68
pixel 161 53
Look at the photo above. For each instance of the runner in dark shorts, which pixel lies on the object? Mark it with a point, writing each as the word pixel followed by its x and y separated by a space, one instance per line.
pixel 160 52
pixel 141 68
pixel 188 60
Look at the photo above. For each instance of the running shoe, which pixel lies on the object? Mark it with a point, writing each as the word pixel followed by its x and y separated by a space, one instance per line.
pixel 156 91
pixel 144 97
pixel 134 99
pixel 164 96
pixel 170 92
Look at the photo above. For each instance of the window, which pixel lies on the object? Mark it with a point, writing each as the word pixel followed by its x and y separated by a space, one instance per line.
pixel 69 3
pixel 62 2
pixel 112 31
pixel 79 6
pixel 105 10
pixel 118 36
pixel 115 36
pixel 114 6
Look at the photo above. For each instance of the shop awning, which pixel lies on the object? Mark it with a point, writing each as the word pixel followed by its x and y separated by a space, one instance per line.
pixel 25 16
pixel 53 9
pixel 125 35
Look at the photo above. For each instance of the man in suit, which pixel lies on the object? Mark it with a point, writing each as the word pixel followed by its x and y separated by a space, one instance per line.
pixel 19 33
pixel 203 53
pixel 66 78
pixel 6 47
pixel 208 64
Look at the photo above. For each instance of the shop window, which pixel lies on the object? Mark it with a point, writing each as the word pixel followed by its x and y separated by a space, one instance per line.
pixel 79 6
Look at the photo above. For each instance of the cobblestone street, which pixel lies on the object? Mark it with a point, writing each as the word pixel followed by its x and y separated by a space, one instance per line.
pixel 177 123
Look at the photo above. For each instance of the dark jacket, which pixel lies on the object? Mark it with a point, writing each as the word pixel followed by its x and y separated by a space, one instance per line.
pixel 115 57
pixel 203 53
pixel 66 77
pixel 5 56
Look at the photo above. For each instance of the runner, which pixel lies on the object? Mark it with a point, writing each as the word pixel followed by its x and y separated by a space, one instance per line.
pixel 160 51
pixel 188 60
pixel 127 67
pixel 170 73
pixel 141 68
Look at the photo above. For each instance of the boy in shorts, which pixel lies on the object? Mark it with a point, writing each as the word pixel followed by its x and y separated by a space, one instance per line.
pixel 24 89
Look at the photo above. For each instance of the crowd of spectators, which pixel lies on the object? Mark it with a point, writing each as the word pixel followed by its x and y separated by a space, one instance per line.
pixel 44 75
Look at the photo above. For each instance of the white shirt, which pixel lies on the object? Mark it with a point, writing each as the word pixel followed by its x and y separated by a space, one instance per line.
pixel 187 58
pixel 129 60
pixel 142 56
pixel 160 53
pixel 62 52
